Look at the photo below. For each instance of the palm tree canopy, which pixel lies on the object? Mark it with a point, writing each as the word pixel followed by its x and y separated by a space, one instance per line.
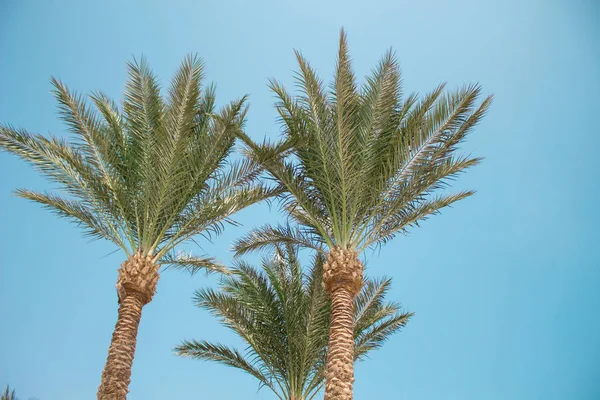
pixel 147 175
pixel 361 163
pixel 8 394
pixel 282 314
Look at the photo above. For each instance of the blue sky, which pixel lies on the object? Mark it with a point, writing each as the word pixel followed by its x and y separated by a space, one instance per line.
pixel 504 285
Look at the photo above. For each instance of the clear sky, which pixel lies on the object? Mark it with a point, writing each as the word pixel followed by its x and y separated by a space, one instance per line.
pixel 505 285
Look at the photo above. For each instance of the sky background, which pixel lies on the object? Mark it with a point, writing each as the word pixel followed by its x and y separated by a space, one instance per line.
pixel 505 285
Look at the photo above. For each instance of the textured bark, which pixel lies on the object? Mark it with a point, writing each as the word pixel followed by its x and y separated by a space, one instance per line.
pixel 342 269
pixel 117 371
pixel 136 285
pixel 342 278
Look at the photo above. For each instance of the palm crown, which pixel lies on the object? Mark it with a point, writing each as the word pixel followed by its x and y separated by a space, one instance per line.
pixel 362 163
pixel 282 314
pixel 149 175
pixel 146 176
pixel 8 394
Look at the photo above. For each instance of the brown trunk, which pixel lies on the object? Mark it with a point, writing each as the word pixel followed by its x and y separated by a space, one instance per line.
pixel 117 371
pixel 136 285
pixel 342 277
pixel 339 371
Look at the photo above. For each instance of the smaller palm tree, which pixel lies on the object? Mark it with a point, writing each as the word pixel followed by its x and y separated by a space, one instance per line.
pixel 8 394
pixel 11 395
pixel 282 314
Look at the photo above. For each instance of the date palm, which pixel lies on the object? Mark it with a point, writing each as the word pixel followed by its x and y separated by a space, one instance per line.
pixel 282 314
pixel 11 395
pixel 359 165
pixel 146 176
pixel 8 394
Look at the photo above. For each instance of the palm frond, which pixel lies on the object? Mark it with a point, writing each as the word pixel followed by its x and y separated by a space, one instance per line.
pixel 216 352
pixel 268 237
pixel 78 213
pixel 375 320
pixel 376 335
pixel 193 264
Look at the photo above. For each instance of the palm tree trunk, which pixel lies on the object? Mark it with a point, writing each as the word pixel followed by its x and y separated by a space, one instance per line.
pixel 117 371
pixel 339 371
pixel 136 286
pixel 342 277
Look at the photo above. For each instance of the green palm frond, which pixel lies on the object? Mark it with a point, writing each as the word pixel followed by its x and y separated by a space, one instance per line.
pixel 268 237
pixel 148 175
pixel 364 162
pixel 216 352
pixel 97 226
pixel 375 319
pixel 193 264
pixel 282 314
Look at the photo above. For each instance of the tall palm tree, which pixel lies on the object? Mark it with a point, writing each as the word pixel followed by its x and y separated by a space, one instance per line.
pixel 360 164
pixel 282 314
pixel 147 176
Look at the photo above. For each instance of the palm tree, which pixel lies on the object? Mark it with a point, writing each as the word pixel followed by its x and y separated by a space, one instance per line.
pixel 359 165
pixel 11 395
pixel 147 176
pixel 282 314
pixel 8 394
